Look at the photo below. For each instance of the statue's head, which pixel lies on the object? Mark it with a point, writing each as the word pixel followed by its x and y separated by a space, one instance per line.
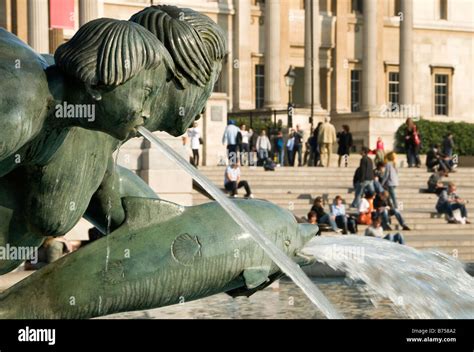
pixel 112 64
pixel 197 46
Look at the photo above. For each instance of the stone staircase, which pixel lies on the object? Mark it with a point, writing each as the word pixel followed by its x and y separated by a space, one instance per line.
pixel 295 188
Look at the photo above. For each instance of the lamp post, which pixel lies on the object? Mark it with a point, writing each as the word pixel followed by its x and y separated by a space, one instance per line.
pixel 290 81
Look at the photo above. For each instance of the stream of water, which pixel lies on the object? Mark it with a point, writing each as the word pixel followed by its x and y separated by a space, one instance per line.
pixel 425 284
pixel 247 224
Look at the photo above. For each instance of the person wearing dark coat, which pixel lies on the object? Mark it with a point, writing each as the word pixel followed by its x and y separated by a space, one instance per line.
pixel 412 143
pixel 366 177
pixel 344 140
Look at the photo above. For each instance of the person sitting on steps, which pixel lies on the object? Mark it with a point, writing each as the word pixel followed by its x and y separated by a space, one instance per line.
pixel 338 214
pixel 448 202
pixel 435 182
pixel 366 207
pixel 384 209
pixel 322 216
pixel 376 230
pixel 232 180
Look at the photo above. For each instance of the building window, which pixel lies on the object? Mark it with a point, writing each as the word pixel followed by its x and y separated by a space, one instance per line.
pixel 441 94
pixel 259 86
pixel 357 6
pixel 393 89
pixel 443 9
pixel 355 90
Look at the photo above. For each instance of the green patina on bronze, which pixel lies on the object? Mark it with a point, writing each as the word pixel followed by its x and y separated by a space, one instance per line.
pixel 156 70
pixel 163 254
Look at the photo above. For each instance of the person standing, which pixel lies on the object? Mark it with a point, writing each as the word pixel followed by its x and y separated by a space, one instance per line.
pixel 379 151
pixel 326 138
pixel 448 145
pixel 263 146
pixel 313 146
pixel 253 136
pixel 298 145
pixel 344 140
pixel 317 156
pixel 448 149
pixel 365 177
pixel 230 139
pixel 412 143
pixel 290 145
pixel 232 181
pixel 280 148
pixel 194 135
pixel 390 178
pixel 244 145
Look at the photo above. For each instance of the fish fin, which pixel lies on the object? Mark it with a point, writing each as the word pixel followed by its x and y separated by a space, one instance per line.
pixel 256 276
pixel 145 212
pixel 243 291
pixel 185 249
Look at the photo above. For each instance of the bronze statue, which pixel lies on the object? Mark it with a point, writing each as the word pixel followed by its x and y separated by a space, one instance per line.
pixel 60 124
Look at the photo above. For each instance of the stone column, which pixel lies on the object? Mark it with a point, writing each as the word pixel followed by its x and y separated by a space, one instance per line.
pixel 272 54
pixel 5 15
pixel 406 52
pixel 369 56
pixel 243 66
pixel 340 78
pixel 90 10
pixel 311 54
pixel 38 31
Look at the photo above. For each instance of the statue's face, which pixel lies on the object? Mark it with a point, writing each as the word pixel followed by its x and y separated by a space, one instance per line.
pixel 174 109
pixel 122 109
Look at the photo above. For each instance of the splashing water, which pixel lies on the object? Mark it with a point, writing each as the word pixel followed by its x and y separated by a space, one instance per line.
pixel 247 224
pixel 424 284
pixel 109 208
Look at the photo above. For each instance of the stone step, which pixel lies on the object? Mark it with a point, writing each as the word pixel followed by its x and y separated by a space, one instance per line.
pixel 406 198
pixel 292 205
pixel 333 170
pixel 299 175
pixel 423 228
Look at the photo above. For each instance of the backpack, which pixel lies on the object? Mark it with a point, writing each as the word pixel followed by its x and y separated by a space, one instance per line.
pixel 269 165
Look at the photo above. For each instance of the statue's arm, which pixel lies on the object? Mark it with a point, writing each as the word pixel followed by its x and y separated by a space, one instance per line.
pixel 105 209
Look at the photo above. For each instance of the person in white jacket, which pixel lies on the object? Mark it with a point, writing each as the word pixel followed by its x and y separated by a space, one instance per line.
pixel 263 146
pixel 195 137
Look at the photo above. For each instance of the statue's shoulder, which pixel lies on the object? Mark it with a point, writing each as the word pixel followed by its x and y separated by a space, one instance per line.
pixel 17 54
pixel 25 97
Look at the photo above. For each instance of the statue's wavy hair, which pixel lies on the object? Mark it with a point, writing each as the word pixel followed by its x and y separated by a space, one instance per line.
pixel 109 52
pixel 193 40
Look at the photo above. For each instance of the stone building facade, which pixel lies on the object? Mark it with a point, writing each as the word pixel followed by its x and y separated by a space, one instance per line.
pixel 354 60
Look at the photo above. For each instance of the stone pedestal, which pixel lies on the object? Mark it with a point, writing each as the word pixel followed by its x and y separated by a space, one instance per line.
pixel 166 178
pixel 212 128
pixel 160 173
